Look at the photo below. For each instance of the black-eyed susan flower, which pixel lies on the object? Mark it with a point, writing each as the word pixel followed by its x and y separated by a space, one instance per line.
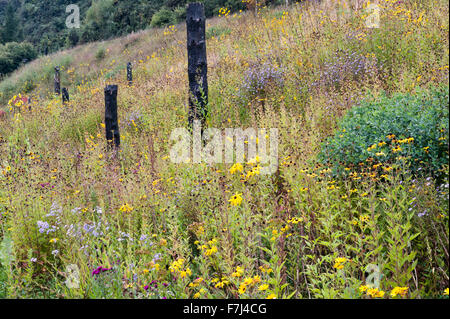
pixel 236 199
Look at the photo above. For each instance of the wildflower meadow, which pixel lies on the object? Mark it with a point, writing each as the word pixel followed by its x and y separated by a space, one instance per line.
pixel 357 207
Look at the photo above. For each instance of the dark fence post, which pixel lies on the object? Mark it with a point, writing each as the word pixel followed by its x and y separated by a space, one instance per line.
pixel 197 63
pixel 111 123
pixel 57 81
pixel 129 74
pixel 65 96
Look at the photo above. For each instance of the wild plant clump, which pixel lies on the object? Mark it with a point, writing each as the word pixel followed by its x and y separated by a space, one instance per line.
pixel 260 79
pixel 346 67
pixel 386 129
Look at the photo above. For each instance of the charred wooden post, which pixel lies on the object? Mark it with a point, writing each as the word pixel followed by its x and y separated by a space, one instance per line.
pixel 65 96
pixel 111 122
pixel 197 63
pixel 129 73
pixel 57 81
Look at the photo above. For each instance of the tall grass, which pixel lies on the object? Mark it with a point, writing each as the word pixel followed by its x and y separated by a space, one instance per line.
pixel 158 229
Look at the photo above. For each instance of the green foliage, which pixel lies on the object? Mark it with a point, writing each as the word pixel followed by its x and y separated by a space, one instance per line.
pixel 10 31
pixel 30 77
pixel 76 129
pixel 163 229
pixel 13 55
pixel 72 38
pixel 162 18
pixel 100 54
pixel 217 31
pixel 363 132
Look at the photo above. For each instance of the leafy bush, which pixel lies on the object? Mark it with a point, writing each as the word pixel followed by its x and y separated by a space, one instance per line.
pixel 163 17
pixel 387 128
pixel 100 54
pixel 13 55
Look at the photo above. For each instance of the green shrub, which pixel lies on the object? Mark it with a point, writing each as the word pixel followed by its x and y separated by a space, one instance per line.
pixel 13 55
pixel 387 128
pixel 100 54
pixel 163 17
pixel 179 14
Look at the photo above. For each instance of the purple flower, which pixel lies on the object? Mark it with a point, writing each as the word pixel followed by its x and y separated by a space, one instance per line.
pixel 99 270
pixel 259 78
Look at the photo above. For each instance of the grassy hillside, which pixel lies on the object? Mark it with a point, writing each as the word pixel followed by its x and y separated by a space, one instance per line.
pixel 362 182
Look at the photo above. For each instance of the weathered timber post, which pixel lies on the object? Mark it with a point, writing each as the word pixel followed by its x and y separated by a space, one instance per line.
pixel 197 63
pixel 65 96
pixel 57 81
pixel 129 74
pixel 111 123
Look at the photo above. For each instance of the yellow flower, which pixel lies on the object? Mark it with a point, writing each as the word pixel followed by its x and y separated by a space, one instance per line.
pixel 446 292
pixel 155 266
pixel 236 199
pixel 371 147
pixel 125 208
pixel 375 293
pixel 236 168
pixel 363 288
pixel 271 296
pixel 53 240
pixel 397 149
pixel 211 251
pixel 197 295
pixel 364 218
pixel 238 273
pixel 242 288
pixel 339 262
pixel 399 291
pixel 222 283
pixel 263 287
pixel 248 281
